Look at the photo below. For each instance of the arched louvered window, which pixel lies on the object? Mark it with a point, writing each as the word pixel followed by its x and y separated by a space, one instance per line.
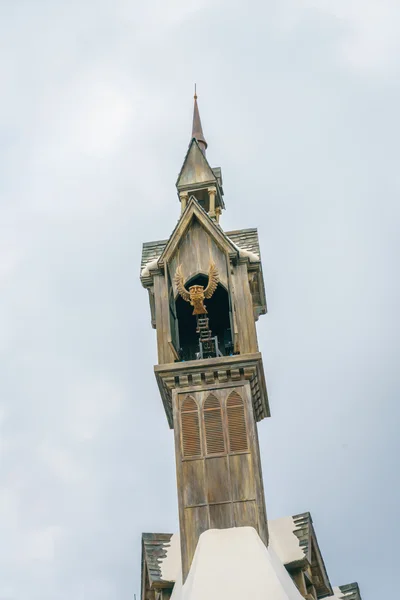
pixel 236 423
pixel 213 426
pixel 190 428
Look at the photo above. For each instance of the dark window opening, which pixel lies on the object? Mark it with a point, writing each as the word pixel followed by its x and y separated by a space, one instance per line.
pixel 219 321
pixel 203 199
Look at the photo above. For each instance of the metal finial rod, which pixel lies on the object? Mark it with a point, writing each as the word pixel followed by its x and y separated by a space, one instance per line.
pixel 197 131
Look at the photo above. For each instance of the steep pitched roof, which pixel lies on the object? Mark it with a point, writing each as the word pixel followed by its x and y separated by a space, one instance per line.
pixel 195 169
pixel 197 129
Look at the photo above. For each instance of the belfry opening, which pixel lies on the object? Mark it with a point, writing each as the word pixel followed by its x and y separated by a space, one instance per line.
pixel 219 322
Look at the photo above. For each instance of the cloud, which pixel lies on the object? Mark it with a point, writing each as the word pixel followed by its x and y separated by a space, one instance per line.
pixel 10 256
pixel 367 32
pixel 91 115
pixel 40 545
pixel 61 463
pixel 92 406
pixel 174 13
pixel 372 38
pixel 299 105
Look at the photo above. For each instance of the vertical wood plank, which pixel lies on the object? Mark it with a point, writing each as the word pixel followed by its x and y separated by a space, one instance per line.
pixel 242 477
pixel 194 491
pixel 258 479
pixel 217 479
pixel 221 516
pixel 245 514
pixel 165 354
pixel 197 522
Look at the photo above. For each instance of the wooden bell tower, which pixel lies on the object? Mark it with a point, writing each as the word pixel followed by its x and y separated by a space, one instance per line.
pixel 206 291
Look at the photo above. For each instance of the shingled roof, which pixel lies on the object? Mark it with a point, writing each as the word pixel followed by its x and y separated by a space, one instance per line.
pixel 154 550
pixel 151 251
pixel 309 543
pixel 350 591
pixel 245 239
pixel 303 524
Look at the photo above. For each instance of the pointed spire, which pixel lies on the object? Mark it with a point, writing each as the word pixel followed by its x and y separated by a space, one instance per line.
pixel 197 130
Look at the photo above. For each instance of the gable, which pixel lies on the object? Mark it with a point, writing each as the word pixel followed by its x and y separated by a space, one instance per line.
pixel 215 233
pixel 244 239
pixel 195 169
pixel 195 250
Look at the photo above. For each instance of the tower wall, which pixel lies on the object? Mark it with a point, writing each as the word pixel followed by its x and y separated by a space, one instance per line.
pixel 217 461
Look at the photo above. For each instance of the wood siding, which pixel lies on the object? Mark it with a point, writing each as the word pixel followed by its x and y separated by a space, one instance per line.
pixel 222 487
pixel 194 252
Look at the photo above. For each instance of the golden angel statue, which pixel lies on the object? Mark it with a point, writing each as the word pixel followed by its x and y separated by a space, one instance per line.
pixel 196 293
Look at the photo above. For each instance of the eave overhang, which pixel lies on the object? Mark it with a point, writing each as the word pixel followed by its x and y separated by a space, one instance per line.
pixel 192 375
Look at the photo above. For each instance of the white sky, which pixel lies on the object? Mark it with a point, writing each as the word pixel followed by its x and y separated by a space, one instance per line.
pixel 299 102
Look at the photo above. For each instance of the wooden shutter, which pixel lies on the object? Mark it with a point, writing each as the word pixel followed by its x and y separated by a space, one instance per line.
pixel 190 428
pixel 236 423
pixel 213 426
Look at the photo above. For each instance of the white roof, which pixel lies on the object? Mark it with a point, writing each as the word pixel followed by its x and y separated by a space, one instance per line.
pixel 234 564
pixel 338 594
pixel 252 256
pixel 171 564
pixel 150 266
pixel 285 543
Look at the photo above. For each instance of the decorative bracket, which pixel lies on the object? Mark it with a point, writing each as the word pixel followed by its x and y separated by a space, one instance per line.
pixel 212 371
